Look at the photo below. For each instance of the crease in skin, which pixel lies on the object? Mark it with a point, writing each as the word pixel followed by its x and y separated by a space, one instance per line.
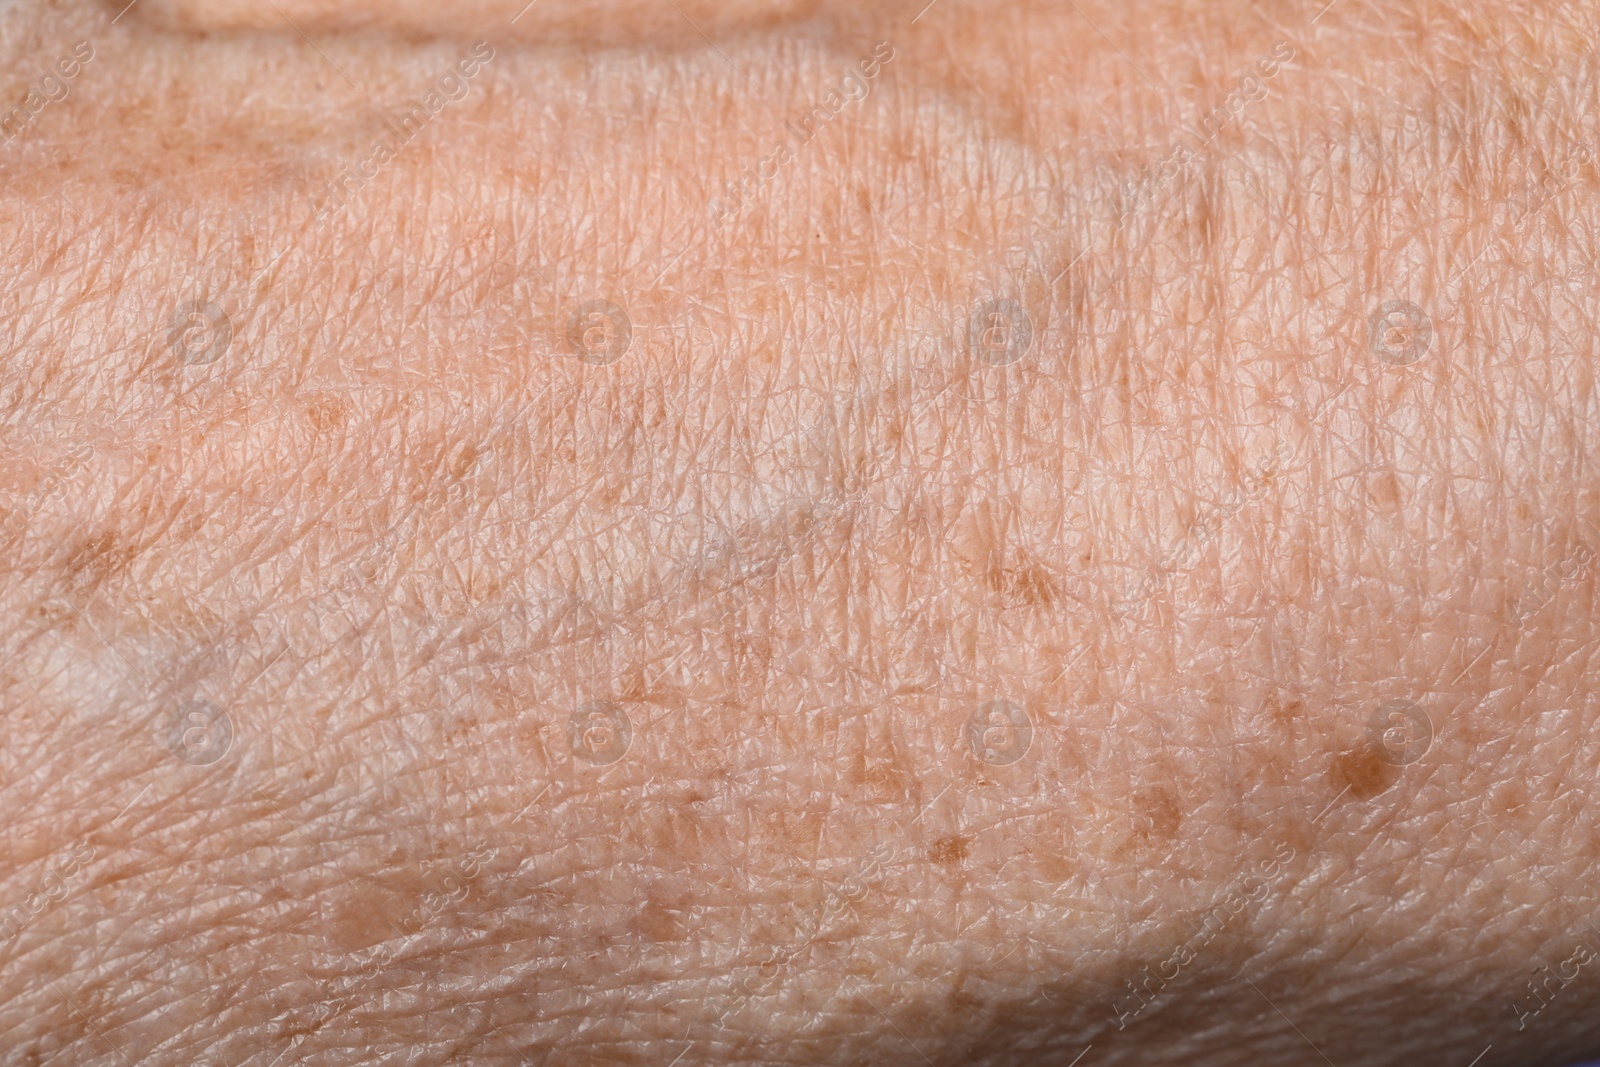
pixel 551 22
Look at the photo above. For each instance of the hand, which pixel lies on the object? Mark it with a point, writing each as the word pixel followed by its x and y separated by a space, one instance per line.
pixel 978 534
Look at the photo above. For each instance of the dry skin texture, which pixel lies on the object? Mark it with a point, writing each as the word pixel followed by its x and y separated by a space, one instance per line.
pixel 1089 540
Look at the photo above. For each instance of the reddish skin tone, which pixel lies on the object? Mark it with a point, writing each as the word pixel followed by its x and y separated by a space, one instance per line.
pixel 1301 629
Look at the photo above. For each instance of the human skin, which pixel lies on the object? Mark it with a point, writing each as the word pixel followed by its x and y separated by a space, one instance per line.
pixel 1198 531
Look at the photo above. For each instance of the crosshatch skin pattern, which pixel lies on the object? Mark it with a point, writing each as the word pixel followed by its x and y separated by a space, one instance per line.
pixel 1017 533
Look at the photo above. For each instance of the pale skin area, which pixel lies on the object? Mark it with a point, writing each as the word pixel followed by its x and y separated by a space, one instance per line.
pixel 1198 533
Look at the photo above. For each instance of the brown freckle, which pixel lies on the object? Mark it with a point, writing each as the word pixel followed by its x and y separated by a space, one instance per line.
pixel 680 831
pixel 881 778
pixel 1385 490
pixel 326 411
pixel 96 558
pixel 1285 713
pixel 460 729
pixel 1033 587
pixel 1298 834
pixel 1363 772
pixel 949 851
pixel 1158 816
pixel 1054 868
pixel 1027 585
pixel 659 921
pixel 631 686
pixel 962 1005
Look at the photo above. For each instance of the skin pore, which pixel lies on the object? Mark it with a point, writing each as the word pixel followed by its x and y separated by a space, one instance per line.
pixel 598 539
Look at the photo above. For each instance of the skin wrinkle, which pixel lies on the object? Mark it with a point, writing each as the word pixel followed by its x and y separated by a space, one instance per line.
pixel 566 22
pixel 376 697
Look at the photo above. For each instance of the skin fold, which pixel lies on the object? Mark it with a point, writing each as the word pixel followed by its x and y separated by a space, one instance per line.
pixel 985 533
